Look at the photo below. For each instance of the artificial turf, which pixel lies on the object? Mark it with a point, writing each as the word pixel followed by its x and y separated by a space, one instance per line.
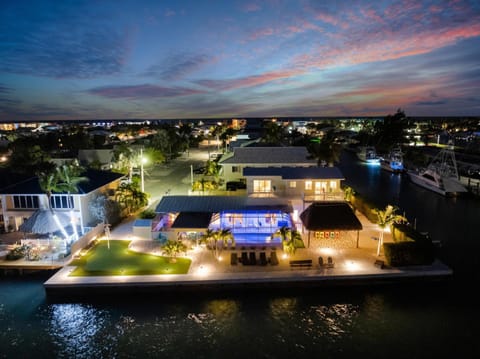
pixel 114 258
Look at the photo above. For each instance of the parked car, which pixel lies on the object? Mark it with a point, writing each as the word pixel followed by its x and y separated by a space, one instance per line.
pixel 199 170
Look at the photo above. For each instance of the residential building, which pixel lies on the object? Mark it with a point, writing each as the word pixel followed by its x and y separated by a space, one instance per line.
pixel 20 199
pixel 233 163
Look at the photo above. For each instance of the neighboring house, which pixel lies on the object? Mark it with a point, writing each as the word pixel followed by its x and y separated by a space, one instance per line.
pixel 234 162
pixel 104 157
pixel 309 183
pixel 22 198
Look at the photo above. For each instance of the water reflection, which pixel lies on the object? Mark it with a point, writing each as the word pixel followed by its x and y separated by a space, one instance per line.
pixel 76 331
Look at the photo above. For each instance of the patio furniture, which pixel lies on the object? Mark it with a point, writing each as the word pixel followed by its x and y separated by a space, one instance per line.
pixel 321 263
pixel 233 259
pixel 301 263
pixel 273 258
pixel 263 259
pixel 330 262
pixel 379 264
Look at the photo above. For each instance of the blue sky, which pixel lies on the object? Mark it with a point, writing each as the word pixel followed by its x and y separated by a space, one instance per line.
pixel 197 59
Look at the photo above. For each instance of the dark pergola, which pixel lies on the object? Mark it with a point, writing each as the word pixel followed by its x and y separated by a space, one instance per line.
pixel 330 216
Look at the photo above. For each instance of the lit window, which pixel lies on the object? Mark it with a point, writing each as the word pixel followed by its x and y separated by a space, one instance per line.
pixel 293 184
pixel 308 184
pixel 262 185
pixel 333 185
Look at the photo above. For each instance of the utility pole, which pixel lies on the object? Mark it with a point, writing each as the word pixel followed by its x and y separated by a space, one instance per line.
pixel 142 183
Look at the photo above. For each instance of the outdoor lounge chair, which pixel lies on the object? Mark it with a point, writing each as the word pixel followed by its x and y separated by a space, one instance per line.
pixel 263 259
pixel 273 258
pixel 233 259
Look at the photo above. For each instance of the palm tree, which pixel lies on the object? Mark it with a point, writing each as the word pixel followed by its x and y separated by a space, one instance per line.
pixel 125 158
pixel 172 248
pixel 385 219
pixel 48 181
pixel 326 150
pixel 68 178
pixel 131 197
pixel 289 238
pixel 225 236
pixel 213 238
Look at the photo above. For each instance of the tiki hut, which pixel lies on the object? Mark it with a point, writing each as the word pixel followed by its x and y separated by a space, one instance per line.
pixel 330 216
pixel 42 221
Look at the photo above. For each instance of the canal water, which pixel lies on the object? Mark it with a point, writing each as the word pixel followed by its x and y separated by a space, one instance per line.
pixel 398 321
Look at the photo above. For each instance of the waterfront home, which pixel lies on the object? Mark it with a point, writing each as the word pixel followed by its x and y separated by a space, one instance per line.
pixel 21 198
pixel 309 183
pixel 233 163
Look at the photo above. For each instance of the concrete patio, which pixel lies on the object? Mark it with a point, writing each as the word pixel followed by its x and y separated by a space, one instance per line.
pixel 352 266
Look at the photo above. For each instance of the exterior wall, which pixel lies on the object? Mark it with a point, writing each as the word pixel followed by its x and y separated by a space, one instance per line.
pixel 86 218
pixel 229 175
pixel 321 189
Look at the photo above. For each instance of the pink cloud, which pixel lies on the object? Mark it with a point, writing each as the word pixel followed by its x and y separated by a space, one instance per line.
pixel 330 19
pixel 268 31
pixel 142 91
pixel 250 80
pixel 381 42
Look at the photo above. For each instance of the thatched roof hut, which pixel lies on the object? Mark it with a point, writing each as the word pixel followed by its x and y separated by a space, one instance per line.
pixel 42 221
pixel 330 216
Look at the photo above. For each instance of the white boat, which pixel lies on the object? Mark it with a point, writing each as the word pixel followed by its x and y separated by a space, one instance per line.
pixel 441 175
pixel 368 154
pixel 393 161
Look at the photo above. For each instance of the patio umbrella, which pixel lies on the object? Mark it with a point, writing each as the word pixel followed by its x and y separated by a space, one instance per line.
pixel 42 221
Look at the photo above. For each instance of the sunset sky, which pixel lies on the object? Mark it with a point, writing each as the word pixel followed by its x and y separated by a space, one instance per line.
pixel 231 58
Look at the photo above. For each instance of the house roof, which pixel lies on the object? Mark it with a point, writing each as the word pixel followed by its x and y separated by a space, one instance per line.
pixel 215 204
pixel 268 155
pixel 192 220
pixel 291 173
pixel 326 216
pixel 30 185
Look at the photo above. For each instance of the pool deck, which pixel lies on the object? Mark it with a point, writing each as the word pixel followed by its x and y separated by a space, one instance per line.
pixel 352 267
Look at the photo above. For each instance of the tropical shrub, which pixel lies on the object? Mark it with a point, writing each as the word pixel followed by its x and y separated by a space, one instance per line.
pixel 147 214
pixel 18 252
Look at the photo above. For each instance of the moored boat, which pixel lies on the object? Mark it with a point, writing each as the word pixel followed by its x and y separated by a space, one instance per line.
pixel 368 154
pixel 441 175
pixel 393 161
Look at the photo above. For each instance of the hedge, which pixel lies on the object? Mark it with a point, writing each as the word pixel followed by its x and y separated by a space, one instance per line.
pixel 409 253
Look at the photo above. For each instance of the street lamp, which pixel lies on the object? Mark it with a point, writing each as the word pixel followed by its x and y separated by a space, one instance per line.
pixel 142 178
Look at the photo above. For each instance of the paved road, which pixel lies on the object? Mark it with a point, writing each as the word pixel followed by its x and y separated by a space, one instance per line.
pixel 173 178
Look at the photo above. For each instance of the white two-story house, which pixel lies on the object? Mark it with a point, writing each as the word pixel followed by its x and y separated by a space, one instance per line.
pixel 19 200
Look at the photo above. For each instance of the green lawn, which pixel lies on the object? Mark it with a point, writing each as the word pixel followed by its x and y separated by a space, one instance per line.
pixel 119 260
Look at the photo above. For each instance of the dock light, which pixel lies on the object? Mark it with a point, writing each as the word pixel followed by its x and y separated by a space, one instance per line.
pixel 203 271
pixel 352 266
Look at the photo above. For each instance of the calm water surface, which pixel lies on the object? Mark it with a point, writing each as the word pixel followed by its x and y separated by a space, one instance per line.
pixel 420 321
